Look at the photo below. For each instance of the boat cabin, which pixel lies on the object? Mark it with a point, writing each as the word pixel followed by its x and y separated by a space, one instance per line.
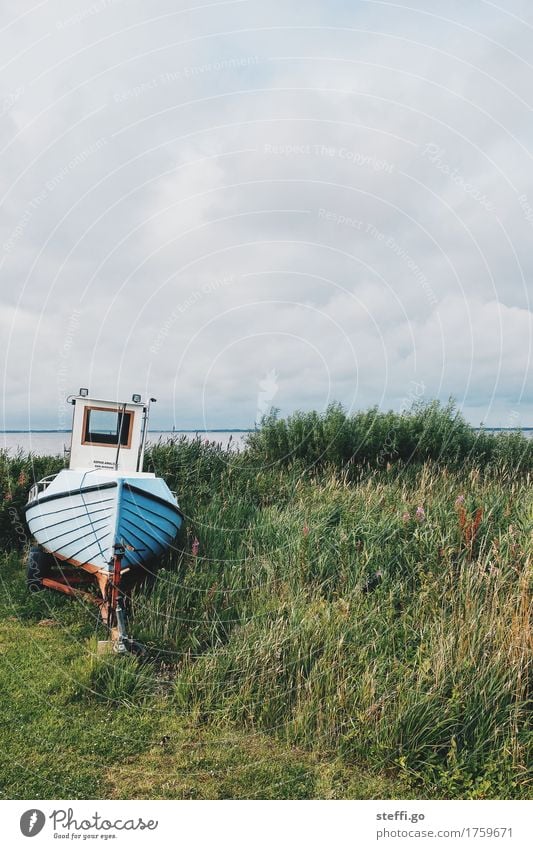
pixel 107 434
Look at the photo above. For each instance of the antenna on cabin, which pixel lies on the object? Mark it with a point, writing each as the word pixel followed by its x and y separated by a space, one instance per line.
pixel 145 433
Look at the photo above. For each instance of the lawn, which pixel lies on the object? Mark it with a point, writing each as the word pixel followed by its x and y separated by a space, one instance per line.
pixel 77 726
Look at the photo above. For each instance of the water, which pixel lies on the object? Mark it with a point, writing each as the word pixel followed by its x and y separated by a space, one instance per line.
pixel 53 443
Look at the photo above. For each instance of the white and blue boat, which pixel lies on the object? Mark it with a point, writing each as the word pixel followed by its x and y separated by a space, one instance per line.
pixel 102 516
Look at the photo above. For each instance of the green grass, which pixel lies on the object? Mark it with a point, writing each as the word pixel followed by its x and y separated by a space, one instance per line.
pixel 426 432
pixel 353 625
pixel 74 725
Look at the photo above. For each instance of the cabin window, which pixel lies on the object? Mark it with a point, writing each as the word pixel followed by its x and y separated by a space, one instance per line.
pixel 106 427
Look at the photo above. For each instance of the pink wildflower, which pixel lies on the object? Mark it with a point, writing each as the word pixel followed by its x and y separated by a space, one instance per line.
pixel 420 514
pixel 305 531
pixel 459 500
pixel 195 547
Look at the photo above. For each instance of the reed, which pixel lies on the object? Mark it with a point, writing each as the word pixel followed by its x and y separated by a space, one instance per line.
pixel 385 618
pixel 351 584
pixel 426 432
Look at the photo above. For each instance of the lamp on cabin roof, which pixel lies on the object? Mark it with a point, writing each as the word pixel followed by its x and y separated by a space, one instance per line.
pixel 136 399
pixel 84 393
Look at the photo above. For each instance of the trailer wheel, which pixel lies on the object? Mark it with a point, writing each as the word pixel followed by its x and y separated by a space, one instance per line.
pixel 39 567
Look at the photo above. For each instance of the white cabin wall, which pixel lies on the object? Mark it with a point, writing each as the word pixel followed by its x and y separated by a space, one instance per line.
pixel 104 456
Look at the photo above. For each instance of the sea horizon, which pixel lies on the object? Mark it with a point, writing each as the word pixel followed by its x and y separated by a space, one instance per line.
pixel 48 442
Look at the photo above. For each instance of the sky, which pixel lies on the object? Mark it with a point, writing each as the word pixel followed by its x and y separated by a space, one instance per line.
pixel 234 206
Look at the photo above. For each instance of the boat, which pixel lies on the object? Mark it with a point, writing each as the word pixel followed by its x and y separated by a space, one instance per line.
pixel 101 526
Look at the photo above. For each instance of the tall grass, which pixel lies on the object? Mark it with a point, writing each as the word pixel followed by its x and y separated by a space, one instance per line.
pixel 387 619
pixel 358 584
pixel 17 473
pixel 375 439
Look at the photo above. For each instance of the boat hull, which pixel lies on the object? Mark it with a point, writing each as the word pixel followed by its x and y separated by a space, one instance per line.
pixel 81 517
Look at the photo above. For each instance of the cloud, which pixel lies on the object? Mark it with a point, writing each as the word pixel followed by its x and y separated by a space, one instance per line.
pixel 196 198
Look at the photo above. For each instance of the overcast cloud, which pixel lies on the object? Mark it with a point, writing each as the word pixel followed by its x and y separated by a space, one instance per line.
pixel 238 205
